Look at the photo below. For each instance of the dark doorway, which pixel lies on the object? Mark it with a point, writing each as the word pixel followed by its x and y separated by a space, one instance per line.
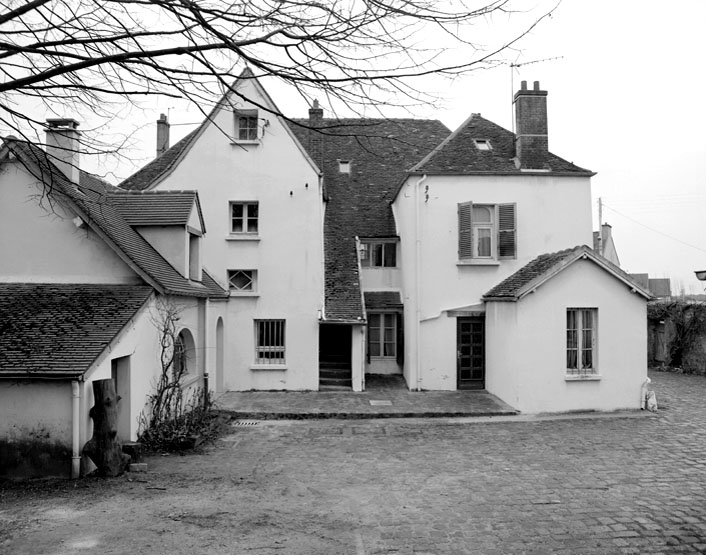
pixel 335 346
pixel 470 353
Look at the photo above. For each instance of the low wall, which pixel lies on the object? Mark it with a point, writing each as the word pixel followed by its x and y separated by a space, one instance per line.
pixel 35 429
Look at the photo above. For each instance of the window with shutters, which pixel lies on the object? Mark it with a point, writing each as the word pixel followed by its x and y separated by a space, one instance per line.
pixel 486 232
pixel 581 341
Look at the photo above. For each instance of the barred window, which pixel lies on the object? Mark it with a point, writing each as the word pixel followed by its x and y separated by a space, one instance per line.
pixel 269 342
pixel 581 340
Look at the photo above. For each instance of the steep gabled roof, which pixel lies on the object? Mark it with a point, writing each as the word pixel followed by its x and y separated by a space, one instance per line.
pixel 458 154
pixel 150 175
pixel 546 266
pixel 157 207
pixel 58 330
pixel 90 198
pixel 380 152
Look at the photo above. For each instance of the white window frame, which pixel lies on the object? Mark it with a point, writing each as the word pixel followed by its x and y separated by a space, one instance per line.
pixel 581 341
pixel 482 144
pixel 246 217
pixel 384 318
pixel 249 274
pixel 367 249
pixel 270 342
pixel 344 166
pixel 503 232
pixel 250 133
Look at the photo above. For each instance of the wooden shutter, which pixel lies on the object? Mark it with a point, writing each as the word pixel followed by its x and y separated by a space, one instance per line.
pixel 507 231
pixel 465 231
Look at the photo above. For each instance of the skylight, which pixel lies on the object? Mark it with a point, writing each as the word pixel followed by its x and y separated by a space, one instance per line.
pixel 482 144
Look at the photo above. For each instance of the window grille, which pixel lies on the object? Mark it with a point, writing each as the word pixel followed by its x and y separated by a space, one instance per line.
pixel 269 342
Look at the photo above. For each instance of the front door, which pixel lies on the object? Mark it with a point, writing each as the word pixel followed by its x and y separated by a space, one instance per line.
pixel 470 353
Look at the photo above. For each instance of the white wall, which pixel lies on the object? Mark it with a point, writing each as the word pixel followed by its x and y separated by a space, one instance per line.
pixel 287 254
pixel 172 242
pixel 35 428
pixel 526 344
pixel 553 213
pixel 41 244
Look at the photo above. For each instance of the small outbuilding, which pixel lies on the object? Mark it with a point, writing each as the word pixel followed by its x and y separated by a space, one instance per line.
pixel 567 332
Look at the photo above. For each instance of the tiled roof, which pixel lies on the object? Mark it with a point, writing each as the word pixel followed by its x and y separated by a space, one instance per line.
pixel 547 265
pixel 156 207
pixel 145 177
pixel 359 204
pixel 92 198
pixel 458 154
pixel 378 300
pixel 60 329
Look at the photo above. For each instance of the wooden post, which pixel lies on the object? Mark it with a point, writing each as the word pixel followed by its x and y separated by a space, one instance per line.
pixel 104 448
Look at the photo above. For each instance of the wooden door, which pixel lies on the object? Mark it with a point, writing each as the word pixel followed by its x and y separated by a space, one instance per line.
pixel 470 353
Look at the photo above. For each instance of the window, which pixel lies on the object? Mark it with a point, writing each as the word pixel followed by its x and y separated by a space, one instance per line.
pixel 244 217
pixel 242 280
pixel 269 342
pixel 486 231
pixel 581 340
pixel 344 166
pixel 378 254
pixel 183 351
pixel 382 335
pixel 482 144
pixel 246 125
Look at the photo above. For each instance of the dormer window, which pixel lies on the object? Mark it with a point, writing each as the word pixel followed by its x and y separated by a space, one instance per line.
pixel 482 144
pixel 246 126
pixel 344 166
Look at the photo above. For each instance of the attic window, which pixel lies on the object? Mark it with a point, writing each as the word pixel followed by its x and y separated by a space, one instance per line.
pixel 482 144
pixel 246 126
pixel 344 166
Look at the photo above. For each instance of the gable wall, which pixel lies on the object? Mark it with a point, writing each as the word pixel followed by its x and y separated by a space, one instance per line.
pixel 553 213
pixel 526 344
pixel 288 252
pixel 41 244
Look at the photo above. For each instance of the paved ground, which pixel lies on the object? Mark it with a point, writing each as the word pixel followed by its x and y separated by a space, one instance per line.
pixel 517 485
pixel 384 397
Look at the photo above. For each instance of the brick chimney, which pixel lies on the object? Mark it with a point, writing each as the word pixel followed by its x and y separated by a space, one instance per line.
pixel 316 139
pixel 162 134
pixel 532 145
pixel 63 146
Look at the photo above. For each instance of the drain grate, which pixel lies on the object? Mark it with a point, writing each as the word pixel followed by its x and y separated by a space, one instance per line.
pixel 246 423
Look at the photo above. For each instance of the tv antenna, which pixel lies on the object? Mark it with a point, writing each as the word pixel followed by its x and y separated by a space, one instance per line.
pixel 512 81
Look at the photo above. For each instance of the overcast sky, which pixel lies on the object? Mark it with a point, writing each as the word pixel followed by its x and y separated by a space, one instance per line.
pixel 627 99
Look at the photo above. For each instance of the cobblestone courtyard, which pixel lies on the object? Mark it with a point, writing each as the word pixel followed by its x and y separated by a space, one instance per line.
pixel 582 485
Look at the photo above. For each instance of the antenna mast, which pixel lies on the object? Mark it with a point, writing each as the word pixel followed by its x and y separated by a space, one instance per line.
pixel 512 82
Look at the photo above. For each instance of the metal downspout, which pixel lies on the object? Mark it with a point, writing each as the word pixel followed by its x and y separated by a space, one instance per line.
pixel 417 287
pixel 75 427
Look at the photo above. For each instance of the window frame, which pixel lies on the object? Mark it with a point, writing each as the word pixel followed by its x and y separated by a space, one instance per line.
pixel 576 339
pixel 367 248
pixel 252 131
pixel 230 274
pixel 246 218
pixel 276 328
pixel 503 235
pixel 382 343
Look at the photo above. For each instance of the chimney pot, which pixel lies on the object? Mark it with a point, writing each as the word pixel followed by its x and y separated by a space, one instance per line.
pixel 524 85
pixel 536 85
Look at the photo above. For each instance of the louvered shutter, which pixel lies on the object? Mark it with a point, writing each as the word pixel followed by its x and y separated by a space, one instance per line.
pixel 507 231
pixel 465 231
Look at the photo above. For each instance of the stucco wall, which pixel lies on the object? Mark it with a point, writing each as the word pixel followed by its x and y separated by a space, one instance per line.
pixel 526 345
pixel 172 242
pixel 553 213
pixel 35 428
pixel 41 244
pixel 287 252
